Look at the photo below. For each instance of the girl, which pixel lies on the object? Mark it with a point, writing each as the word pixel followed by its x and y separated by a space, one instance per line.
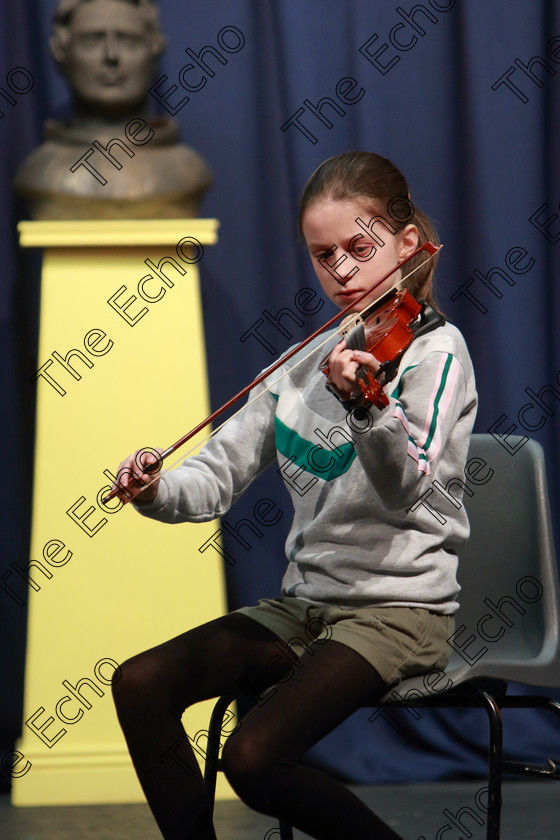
pixel 371 569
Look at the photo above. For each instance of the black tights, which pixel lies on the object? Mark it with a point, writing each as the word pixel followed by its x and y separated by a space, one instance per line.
pixel 261 758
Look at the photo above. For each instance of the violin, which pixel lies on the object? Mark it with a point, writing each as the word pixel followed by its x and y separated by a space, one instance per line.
pixel 385 329
pixel 400 321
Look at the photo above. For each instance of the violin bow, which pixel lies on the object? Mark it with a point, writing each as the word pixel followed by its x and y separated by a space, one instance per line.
pixel 429 247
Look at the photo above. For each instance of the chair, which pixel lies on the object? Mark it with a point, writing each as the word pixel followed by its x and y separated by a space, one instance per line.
pixel 508 625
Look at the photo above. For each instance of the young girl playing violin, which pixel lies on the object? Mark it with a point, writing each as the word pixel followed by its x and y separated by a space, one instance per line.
pixel 371 571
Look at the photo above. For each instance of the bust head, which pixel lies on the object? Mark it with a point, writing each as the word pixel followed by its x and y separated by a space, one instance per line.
pixel 108 50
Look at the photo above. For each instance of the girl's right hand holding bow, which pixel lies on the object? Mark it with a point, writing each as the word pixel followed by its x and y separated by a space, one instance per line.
pixel 138 477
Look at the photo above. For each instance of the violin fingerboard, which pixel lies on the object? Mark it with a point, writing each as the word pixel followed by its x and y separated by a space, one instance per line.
pixel 355 339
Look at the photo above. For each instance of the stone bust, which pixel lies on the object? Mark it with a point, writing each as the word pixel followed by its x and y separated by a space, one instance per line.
pixel 111 160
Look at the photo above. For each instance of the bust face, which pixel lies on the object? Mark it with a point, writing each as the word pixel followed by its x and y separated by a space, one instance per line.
pixel 109 60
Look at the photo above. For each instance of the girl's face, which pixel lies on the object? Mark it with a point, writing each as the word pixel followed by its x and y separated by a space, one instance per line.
pixel 358 259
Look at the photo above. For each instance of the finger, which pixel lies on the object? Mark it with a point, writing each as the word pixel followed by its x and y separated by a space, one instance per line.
pixel 367 359
pixel 349 373
pixel 340 358
pixel 336 351
pixel 130 478
pixel 345 379
pixel 148 460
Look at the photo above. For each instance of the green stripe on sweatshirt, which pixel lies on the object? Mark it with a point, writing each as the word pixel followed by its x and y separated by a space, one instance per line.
pixel 397 391
pixel 441 389
pixel 324 463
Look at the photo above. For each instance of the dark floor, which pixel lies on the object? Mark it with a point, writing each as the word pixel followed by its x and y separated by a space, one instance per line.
pixel 531 811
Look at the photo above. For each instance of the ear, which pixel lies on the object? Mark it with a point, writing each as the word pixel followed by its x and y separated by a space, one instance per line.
pixel 408 241
pixel 158 45
pixel 57 46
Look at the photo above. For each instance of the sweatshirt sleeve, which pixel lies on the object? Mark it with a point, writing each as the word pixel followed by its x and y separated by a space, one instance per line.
pixel 431 408
pixel 206 485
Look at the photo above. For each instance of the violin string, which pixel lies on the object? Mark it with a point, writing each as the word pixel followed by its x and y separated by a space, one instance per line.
pixel 272 384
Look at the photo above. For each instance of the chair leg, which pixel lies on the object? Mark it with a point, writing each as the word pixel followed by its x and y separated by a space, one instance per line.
pixel 286 832
pixel 494 764
pixel 553 705
pixel 551 770
pixel 212 764
pixel 213 748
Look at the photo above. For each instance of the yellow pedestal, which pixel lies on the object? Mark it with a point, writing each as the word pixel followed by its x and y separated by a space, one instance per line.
pixel 108 583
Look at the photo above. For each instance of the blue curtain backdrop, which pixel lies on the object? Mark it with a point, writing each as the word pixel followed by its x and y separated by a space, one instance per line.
pixel 464 98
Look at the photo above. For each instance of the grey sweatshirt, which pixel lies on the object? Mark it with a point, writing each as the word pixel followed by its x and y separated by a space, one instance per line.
pixel 373 523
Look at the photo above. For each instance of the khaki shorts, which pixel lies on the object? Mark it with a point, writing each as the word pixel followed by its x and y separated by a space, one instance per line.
pixel 399 642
